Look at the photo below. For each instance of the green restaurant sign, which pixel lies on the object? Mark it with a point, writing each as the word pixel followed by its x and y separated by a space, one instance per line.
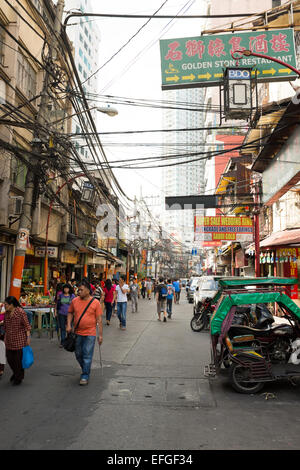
pixel 200 61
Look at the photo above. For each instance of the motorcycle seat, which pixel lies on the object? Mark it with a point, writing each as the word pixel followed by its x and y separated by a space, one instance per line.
pixel 247 330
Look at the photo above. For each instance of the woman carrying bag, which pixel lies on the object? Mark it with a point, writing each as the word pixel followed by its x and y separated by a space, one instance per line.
pixel 17 336
pixel 64 300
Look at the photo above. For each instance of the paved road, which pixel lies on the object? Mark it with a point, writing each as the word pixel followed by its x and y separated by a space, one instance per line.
pixel 152 395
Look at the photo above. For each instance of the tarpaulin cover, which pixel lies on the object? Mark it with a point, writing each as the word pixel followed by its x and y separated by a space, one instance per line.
pixel 280 281
pixel 249 298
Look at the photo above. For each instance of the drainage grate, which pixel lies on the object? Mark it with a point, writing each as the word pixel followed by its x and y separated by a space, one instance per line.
pixel 163 391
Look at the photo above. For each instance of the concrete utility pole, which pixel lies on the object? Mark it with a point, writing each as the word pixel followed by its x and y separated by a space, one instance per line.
pixel 25 224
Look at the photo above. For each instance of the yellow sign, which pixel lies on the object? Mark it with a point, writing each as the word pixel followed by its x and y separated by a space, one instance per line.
pixel 69 256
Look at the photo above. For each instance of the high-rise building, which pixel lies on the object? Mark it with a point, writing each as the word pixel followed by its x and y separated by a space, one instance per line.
pixel 182 179
pixel 85 37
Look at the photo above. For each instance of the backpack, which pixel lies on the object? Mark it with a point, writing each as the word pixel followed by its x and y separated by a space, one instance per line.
pixel 162 292
pixel 170 290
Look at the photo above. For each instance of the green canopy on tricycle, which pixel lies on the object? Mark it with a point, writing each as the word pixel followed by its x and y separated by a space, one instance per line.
pixel 255 281
pixel 235 297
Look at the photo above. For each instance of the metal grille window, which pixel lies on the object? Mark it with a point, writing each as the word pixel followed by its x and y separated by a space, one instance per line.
pixel 26 78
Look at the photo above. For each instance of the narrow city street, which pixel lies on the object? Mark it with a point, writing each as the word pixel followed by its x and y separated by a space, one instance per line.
pixel 152 395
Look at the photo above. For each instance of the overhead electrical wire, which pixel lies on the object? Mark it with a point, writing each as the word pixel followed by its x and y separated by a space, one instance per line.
pixel 183 9
pixel 81 90
pixel 126 43
pixel 182 156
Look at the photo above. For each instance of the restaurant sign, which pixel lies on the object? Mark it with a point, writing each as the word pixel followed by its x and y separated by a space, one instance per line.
pixel 200 61
pixel 223 228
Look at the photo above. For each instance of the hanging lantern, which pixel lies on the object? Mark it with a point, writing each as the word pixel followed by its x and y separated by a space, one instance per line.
pixel 238 86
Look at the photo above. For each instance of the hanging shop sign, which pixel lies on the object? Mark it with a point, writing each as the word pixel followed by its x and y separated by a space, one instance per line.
pixel 207 244
pixel 222 228
pixel 199 61
pixel 69 256
pixel 52 251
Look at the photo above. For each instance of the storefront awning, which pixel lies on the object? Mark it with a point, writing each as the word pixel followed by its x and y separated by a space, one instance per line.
pixel 105 254
pixel 285 237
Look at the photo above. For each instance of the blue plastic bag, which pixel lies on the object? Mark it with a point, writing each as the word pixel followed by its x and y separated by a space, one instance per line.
pixel 27 358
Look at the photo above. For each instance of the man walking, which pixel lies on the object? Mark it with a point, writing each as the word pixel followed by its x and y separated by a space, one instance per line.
pixel 177 291
pixel 134 293
pixel 170 295
pixel 149 288
pixel 161 299
pixel 120 296
pixel 143 290
pixel 86 331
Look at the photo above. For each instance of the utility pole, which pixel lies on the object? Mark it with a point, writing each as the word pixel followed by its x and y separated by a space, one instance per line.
pixel 25 224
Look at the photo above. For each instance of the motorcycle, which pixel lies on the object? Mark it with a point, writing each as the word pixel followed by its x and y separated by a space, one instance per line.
pixel 262 351
pixel 201 318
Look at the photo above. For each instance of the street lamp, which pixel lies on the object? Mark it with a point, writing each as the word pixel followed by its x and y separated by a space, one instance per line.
pixel 110 111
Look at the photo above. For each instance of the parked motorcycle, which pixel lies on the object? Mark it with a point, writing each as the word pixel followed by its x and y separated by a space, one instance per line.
pixel 202 317
pixel 243 316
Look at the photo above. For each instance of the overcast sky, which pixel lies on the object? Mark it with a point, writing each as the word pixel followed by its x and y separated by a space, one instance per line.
pixel 141 80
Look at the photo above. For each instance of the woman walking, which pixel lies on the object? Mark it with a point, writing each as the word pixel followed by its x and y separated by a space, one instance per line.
pixel 108 299
pixel 63 303
pixel 17 336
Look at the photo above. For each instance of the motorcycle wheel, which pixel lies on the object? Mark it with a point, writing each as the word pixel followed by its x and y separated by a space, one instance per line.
pixel 197 323
pixel 226 361
pixel 238 378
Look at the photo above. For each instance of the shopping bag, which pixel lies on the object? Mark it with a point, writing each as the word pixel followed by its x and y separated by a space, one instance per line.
pixel 2 353
pixel 27 358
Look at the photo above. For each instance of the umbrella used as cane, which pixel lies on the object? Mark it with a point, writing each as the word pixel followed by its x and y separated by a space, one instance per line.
pixel 100 356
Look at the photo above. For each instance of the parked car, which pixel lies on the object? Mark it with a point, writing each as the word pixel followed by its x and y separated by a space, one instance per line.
pixel 192 288
pixel 207 287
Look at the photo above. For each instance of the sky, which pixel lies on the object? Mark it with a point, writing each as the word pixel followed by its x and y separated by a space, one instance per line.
pixel 140 80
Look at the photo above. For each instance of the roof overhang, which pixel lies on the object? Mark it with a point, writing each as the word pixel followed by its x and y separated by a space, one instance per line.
pixel 285 237
pixel 285 125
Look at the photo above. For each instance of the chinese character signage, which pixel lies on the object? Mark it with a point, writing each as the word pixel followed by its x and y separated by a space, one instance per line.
pixel 199 61
pixel 222 228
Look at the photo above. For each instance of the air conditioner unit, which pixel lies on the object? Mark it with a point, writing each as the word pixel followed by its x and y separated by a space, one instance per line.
pixel 16 206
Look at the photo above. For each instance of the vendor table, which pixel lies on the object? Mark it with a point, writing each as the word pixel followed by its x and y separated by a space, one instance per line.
pixel 45 318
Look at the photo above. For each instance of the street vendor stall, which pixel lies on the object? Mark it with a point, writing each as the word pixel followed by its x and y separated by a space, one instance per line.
pixel 42 308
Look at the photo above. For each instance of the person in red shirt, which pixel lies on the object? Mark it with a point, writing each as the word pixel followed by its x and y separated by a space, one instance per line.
pixel 17 336
pixel 86 331
pixel 108 299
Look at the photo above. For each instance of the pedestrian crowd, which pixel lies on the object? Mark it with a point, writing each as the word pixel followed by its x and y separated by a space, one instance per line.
pixel 79 309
